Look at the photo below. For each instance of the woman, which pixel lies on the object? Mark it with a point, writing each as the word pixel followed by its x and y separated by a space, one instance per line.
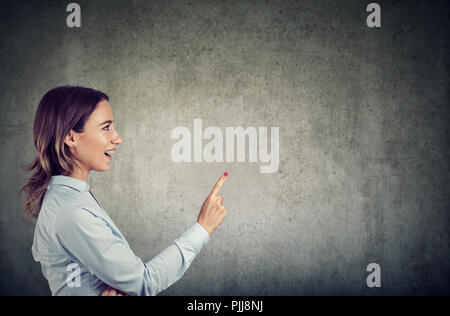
pixel 80 249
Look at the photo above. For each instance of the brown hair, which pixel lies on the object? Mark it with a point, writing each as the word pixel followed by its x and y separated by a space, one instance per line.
pixel 60 110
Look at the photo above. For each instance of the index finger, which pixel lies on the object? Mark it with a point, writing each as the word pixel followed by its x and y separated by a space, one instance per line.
pixel 219 184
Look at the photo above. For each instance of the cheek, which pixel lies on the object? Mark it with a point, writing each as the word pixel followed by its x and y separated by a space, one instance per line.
pixel 94 146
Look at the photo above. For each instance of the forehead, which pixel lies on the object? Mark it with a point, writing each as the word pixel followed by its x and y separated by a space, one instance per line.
pixel 102 112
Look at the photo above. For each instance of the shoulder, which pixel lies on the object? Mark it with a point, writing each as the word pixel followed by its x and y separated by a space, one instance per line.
pixel 77 220
pixel 57 202
pixel 62 198
pixel 66 206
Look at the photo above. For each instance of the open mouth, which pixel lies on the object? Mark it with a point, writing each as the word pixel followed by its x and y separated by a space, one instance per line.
pixel 108 154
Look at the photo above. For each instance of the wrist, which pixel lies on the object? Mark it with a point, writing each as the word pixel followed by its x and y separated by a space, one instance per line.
pixel 204 227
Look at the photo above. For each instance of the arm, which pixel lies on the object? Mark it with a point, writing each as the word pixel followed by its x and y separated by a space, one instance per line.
pixel 89 239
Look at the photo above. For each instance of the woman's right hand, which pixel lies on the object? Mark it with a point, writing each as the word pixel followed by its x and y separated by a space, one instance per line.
pixel 213 212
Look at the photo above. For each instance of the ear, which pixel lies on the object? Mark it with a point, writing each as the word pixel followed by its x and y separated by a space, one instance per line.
pixel 69 140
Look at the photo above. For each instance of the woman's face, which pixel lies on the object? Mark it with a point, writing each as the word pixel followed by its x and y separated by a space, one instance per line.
pixel 99 136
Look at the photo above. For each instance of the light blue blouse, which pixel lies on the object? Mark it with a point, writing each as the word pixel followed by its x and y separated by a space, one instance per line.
pixel 81 251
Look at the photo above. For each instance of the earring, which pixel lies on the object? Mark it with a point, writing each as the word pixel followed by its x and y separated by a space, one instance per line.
pixel 74 145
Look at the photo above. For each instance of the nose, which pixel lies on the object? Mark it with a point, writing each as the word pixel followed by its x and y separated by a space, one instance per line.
pixel 117 140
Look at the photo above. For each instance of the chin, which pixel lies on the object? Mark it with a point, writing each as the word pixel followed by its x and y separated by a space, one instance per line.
pixel 103 168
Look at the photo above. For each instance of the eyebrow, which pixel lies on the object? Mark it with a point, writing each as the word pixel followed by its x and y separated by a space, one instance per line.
pixel 105 122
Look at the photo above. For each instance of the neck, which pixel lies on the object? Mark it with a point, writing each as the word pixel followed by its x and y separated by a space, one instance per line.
pixel 79 175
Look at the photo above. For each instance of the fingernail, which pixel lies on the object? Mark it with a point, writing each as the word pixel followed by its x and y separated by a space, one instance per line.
pixel 226 174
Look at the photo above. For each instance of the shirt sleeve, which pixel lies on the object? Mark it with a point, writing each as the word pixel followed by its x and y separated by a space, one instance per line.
pixel 105 254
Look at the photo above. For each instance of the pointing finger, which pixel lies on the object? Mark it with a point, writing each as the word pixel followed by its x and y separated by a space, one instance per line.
pixel 219 184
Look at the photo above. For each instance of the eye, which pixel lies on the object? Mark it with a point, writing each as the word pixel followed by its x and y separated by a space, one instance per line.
pixel 106 128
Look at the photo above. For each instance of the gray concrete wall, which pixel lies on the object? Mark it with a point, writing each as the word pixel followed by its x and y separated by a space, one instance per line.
pixel 364 136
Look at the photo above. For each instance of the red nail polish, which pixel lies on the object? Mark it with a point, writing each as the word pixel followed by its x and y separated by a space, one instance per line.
pixel 226 174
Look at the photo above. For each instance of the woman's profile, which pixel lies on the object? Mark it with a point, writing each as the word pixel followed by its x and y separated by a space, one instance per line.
pixel 80 249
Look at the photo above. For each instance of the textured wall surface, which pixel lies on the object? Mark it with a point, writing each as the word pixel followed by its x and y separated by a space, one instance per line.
pixel 364 136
